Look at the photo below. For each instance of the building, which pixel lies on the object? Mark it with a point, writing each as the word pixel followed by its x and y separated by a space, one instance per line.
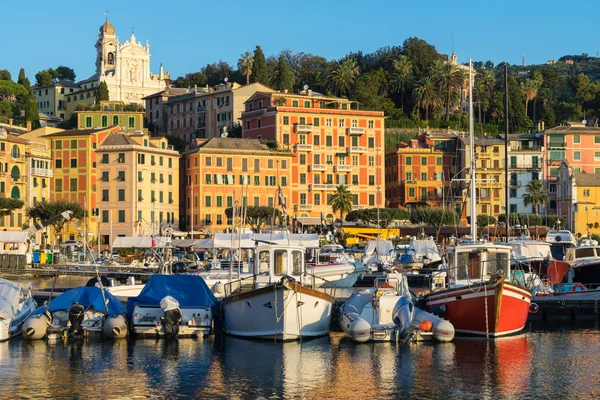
pixel 215 171
pixel 578 200
pixel 489 175
pixel 526 155
pixel 576 144
pixel 206 112
pixel 130 118
pixel 138 186
pixel 156 108
pixel 332 142
pixel 13 178
pixel 52 99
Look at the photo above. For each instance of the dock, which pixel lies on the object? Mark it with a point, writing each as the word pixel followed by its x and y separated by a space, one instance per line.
pixel 573 309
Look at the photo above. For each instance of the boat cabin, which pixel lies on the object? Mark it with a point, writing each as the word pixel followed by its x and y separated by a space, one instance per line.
pixel 272 262
pixel 477 262
pixel 583 253
pixel 560 241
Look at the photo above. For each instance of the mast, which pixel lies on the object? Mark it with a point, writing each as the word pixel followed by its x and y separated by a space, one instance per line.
pixel 472 141
pixel 506 190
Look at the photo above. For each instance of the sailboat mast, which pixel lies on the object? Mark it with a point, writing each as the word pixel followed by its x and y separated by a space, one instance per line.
pixel 472 141
pixel 506 190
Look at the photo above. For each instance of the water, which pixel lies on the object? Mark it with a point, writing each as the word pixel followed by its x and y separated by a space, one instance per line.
pixel 533 365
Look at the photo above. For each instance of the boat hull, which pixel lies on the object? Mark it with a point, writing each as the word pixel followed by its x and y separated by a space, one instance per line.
pixel 465 307
pixel 10 328
pixel 283 311
pixel 147 321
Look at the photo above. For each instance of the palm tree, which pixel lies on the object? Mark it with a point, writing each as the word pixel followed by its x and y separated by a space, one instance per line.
pixel 343 77
pixel 530 88
pixel 425 94
pixel 450 78
pixel 245 64
pixel 536 195
pixel 342 201
pixel 401 76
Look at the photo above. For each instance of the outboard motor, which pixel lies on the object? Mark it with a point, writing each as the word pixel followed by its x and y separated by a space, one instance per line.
pixel 172 316
pixel 76 315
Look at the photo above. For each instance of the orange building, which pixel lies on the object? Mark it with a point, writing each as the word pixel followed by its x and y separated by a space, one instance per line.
pixel 214 173
pixel 332 143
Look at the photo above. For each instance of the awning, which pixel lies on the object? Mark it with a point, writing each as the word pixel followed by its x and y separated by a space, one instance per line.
pixel 309 220
pixel 140 242
pixel 184 242
pixel 14 237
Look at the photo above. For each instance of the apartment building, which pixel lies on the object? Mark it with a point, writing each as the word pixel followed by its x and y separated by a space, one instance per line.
pixel 578 200
pixel 156 108
pixel 130 118
pixel 332 142
pixel 526 154
pixel 13 178
pixel 52 99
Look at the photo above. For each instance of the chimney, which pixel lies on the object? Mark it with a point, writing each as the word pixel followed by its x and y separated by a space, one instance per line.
pixel 28 126
pixel 543 126
pixel 10 122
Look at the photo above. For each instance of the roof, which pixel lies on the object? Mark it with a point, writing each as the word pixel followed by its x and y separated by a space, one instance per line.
pixel 587 179
pixel 233 143
pixel 46 117
pixel 118 139
pixel 13 139
pixel 13 129
pixel 78 132
pixel 168 92
pixel 573 129
pixel 482 140
pixel 62 82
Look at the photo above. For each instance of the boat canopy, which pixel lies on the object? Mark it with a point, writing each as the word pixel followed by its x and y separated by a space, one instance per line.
pixel 382 247
pixel 89 297
pixel 14 237
pixel 252 240
pixel 10 294
pixel 426 248
pixel 189 290
pixel 140 242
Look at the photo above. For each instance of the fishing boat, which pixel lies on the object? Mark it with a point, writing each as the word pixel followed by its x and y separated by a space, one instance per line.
pixel 77 313
pixel 283 303
pixel 172 306
pixel 15 306
pixel 480 297
pixel 387 313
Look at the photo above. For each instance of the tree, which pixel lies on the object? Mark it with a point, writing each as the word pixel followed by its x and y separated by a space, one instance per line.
pixel 530 88
pixel 450 79
pixel 11 91
pixel 23 80
pixel 401 77
pixel 32 113
pixel 425 94
pixel 282 77
pixel 102 93
pixel 256 217
pixel 245 64
pixel 65 73
pixel 342 201
pixel 371 91
pixel 433 216
pixel 5 75
pixel 260 73
pixel 535 195
pixel 45 210
pixel 421 54
pixel 342 78
pixel 44 78
pixel 8 205
pixel 484 220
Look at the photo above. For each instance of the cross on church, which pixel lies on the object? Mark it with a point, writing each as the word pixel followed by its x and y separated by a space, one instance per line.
pixel 106 14
pixel 132 29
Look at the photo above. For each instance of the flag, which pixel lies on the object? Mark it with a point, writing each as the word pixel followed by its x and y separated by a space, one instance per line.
pixel 281 200
pixel 323 220
pixel 153 242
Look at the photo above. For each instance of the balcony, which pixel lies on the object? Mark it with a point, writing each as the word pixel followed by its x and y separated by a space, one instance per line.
pixel 317 167
pixel 355 131
pixel 322 186
pixel 355 149
pixel 305 207
pixel 342 168
pixel 201 109
pixel 303 128
pixel 304 147
pixel 358 207
pixel 17 158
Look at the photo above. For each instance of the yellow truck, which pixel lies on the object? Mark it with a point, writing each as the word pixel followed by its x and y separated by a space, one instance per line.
pixel 359 236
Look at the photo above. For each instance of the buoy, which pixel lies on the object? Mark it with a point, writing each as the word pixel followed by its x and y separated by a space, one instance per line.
pixel 426 326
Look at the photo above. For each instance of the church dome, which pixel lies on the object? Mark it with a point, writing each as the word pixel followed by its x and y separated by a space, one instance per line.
pixel 107 28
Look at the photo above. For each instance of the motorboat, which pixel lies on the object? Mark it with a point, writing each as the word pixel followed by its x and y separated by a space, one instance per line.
pixel 378 255
pixel 560 241
pixel 283 303
pixel 84 311
pixel 418 254
pixel 172 306
pixel 15 307
pixel 585 264
pixel 528 251
pixel 387 313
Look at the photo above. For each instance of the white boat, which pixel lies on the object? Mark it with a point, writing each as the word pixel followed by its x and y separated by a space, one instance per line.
pixel 279 306
pixel 585 263
pixel 15 307
pixel 560 241
pixel 386 313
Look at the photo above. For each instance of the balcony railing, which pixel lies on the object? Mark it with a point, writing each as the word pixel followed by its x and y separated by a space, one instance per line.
pixel 355 131
pixel 305 207
pixel 322 186
pixel 355 149
pixel 41 172
pixel 358 207
pixel 304 147
pixel 303 128
pixel 342 168
pixel 317 167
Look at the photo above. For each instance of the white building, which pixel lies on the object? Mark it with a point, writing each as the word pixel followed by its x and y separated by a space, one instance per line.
pixel 525 154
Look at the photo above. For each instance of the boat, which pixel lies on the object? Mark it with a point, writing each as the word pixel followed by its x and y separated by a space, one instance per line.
pixel 80 312
pixel 15 306
pixel 418 254
pixel 378 255
pixel 560 241
pixel 585 264
pixel 172 306
pixel 481 297
pixel 283 303
pixel 386 313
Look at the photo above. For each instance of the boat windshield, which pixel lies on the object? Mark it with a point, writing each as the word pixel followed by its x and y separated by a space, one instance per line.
pixel 479 265
pixel 264 262
pixel 296 263
pixel 281 261
pixel 585 252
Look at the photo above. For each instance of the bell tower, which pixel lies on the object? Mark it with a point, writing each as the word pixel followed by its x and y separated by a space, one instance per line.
pixel 106 49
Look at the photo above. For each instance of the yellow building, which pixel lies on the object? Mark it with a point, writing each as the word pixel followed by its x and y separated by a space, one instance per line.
pixel 52 99
pixel 578 200
pixel 213 178
pixel 138 186
pixel 130 118
pixel 489 175
pixel 13 178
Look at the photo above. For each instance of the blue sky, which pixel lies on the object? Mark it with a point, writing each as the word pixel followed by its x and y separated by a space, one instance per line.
pixel 185 35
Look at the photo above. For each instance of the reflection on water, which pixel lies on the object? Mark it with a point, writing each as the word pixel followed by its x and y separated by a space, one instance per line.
pixel 547 365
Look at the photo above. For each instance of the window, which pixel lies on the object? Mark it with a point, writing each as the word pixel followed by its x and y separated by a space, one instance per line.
pixel 256 165
pixel 341 123
pixel 371 180
pixel 302 159
pixel 513 161
pixel 409 176
pixel 121 215
pixel 73 163
pixel 535 162
pixel 219 201
pixel 229 201
pixel 256 180
pixel 577 155
pixel 121 176
pixel 557 155
pixel 121 194
pixel 371 161
pixel 302 198
pixel 303 179
pixel 116 120
pixel 513 193
pixel 597 156
pixel 597 139
pixel 88 122
pixel 73 185
pixel 328 122
pixel 131 122
pixel 341 141
pixel 294 103
pixel 302 121
pixel 371 124
pixel 423 160
pixel 576 139
pixel 121 158
pixel 586 192
pixel 316 121
pixel 104 215
pixel 229 164
pixel 317 140
pixel 371 142
pixel 105 176
pixel 207 201
pixel 286 120
pixel 219 162
pixel 423 176
pixel 259 123
pixel 105 195
pixel 408 160
pixel 57 185
pixel 328 141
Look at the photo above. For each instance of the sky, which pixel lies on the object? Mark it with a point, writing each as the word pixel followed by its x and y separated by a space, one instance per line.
pixel 186 35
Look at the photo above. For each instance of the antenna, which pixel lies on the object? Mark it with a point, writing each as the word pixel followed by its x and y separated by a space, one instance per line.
pixel 523 59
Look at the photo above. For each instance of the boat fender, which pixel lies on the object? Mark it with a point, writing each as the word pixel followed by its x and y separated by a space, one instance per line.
pixel 219 288
pixel 356 327
pixel 35 327
pixel 115 327
pixel 426 326
pixel 534 308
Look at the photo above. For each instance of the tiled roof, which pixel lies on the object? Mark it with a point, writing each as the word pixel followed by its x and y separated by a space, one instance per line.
pixel 587 179
pixel 78 132
pixel 233 143
pixel 482 140
pixel 167 92
pixel 13 139
pixel 117 139
pixel 573 130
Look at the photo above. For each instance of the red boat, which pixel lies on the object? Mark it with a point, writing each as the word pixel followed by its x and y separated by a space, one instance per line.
pixel 480 298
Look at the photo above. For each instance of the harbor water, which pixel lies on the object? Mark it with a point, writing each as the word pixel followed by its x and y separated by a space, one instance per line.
pixel 538 364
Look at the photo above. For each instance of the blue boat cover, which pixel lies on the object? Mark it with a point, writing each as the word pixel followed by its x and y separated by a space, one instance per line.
pixel 188 290
pixel 89 297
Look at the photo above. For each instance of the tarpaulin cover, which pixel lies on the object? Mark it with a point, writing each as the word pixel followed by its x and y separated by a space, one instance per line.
pixel 89 297
pixel 189 290
pixel 140 242
pixel 426 248
pixel 14 237
pixel 10 294
pixel 382 247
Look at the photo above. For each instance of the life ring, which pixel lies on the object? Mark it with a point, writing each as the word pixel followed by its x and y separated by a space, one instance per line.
pixel 534 308
pixel 578 285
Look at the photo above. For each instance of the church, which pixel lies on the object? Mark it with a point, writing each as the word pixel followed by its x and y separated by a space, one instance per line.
pixel 125 67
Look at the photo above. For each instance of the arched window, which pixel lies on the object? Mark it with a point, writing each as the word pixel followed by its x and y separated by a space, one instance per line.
pixel 15 151
pixel 111 59
pixel 15 173
pixel 116 120
pixel 15 193
pixel 104 121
